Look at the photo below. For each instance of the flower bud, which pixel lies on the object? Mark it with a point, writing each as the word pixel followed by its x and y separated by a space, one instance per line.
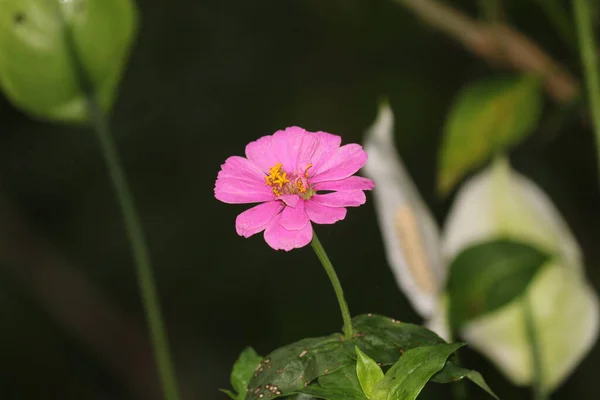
pixel 38 72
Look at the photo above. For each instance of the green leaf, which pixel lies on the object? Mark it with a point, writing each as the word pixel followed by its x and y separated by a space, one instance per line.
pixel 292 367
pixel 385 339
pixel 340 385
pixel 295 368
pixel 487 116
pixel 368 372
pixel 36 68
pixel 477 379
pixel 405 379
pixel 489 275
pixel 452 372
pixel 243 369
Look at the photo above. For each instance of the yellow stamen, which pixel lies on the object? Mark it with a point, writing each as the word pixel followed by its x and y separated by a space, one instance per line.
pixel 300 186
pixel 276 179
pixel 306 171
pixel 282 183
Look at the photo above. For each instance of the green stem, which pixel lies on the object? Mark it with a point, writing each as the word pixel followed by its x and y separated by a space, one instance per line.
pixel 140 252
pixel 335 282
pixel 133 226
pixel 536 356
pixel 583 17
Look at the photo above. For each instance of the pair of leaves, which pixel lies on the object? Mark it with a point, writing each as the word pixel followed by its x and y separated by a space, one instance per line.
pixel 488 116
pixel 407 377
pixel 489 275
pixel 331 359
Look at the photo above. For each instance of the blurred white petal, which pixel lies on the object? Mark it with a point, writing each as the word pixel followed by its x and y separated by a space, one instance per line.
pixel 410 234
pixel 565 310
pixel 501 202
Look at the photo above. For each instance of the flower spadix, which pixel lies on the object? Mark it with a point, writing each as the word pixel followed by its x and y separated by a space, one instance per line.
pixel 299 177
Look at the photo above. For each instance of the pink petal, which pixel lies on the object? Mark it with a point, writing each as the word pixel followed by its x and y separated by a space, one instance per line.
pixel 241 181
pixel 308 147
pixel 346 161
pixel 257 218
pixel 348 184
pixel 262 153
pixel 241 169
pixel 288 145
pixel 290 199
pixel 280 238
pixel 234 191
pixel 340 199
pixel 327 146
pixel 294 219
pixel 321 214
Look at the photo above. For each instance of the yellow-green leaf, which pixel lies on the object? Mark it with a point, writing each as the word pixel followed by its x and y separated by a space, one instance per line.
pixel 487 116
pixel 37 70
pixel 368 372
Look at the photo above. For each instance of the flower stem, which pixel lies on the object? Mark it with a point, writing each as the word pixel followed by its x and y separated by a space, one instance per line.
pixel 335 282
pixel 140 252
pixel 133 226
pixel 583 17
pixel 539 393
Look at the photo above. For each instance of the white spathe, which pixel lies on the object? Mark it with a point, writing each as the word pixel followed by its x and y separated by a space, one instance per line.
pixel 565 312
pixel 411 235
pixel 495 203
pixel 500 202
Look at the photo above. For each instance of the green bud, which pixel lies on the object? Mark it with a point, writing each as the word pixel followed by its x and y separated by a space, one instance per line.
pixel 38 72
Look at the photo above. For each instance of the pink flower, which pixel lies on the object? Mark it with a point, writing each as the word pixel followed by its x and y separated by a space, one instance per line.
pixel 299 177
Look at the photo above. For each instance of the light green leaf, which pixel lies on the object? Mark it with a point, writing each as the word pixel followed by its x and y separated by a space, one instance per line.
pixel 405 379
pixel 489 275
pixel 368 372
pixel 486 117
pixel 243 369
pixel 37 71
pixel 339 385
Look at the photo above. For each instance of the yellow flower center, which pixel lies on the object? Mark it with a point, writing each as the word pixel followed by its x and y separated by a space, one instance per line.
pixel 282 183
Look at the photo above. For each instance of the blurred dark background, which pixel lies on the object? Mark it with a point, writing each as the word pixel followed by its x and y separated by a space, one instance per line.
pixel 204 79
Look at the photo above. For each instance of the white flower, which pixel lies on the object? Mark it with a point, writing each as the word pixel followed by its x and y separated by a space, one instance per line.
pixel 497 202
pixel 411 235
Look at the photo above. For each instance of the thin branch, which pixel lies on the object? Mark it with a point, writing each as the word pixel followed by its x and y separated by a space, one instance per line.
pixel 498 44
